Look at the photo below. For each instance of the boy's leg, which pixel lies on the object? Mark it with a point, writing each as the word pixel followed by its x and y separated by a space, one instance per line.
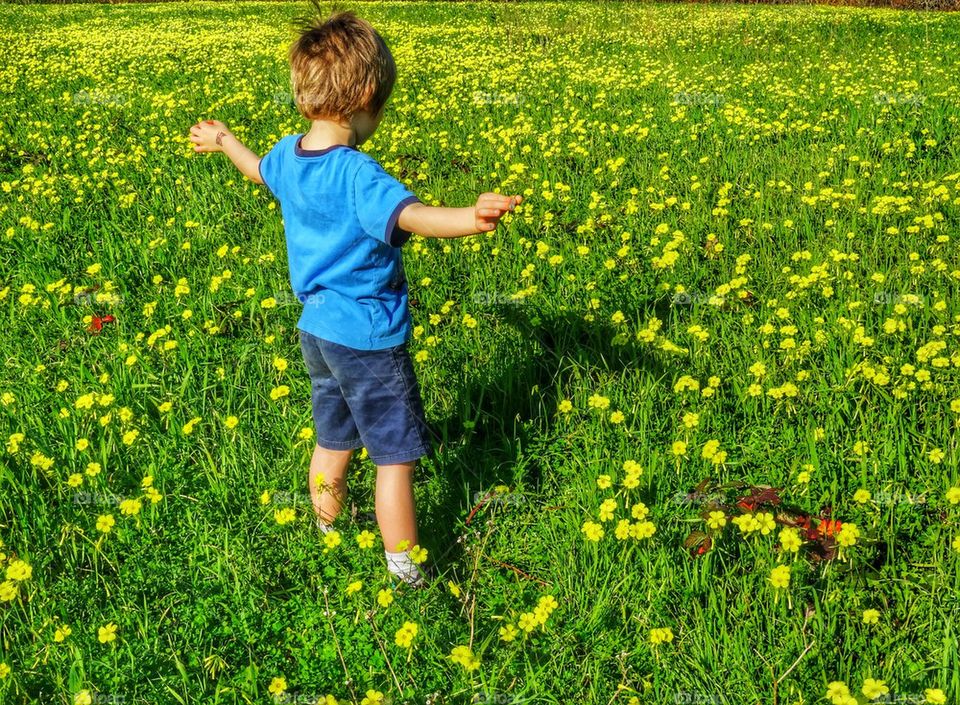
pixel 397 517
pixel 328 481
pixel 335 429
pixel 396 513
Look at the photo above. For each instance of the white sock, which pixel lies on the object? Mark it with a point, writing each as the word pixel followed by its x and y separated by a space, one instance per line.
pixel 401 565
pixel 325 528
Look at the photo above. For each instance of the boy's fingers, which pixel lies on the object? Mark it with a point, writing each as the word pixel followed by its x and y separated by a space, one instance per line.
pixel 501 202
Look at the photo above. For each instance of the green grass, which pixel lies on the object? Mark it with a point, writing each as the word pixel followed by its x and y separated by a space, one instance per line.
pixel 782 133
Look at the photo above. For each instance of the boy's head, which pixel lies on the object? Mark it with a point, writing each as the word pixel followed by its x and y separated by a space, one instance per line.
pixel 340 67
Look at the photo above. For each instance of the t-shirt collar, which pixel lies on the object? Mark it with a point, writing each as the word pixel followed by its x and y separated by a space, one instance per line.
pixel 301 152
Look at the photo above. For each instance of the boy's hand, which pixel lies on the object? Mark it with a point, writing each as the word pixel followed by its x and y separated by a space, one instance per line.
pixel 491 207
pixel 204 135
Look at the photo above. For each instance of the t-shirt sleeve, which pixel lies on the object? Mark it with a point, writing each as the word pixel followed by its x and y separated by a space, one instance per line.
pixel 378 199
pixel 270 169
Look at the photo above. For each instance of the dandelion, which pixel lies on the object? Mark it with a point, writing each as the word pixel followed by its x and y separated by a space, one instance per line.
pixel 837 692
pixel 790 540
pixel 592 530
pixel 780 576
pixel 661 635
pixel 130 507
pixel 548 602
pixel 747 523
pixel 607 508
pixel 716 519
pixel 278 685
pixel 597 401
pixel 405 634
pixel 418 554
pixel 285 515
pixel 873 689
pixel 8 591
pixel 331 540
pixel 848 534
pixel 19 570
pixel 465 657
pixel 385 598
pixel 527 622
pixel 107 633
pixel 710 449
pixel 372 697
pixel 105 523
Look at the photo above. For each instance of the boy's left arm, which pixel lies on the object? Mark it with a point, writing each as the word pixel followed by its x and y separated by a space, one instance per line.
pixel 214 136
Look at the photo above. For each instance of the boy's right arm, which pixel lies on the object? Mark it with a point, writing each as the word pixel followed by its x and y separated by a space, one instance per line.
pixel 214 136
pixel 432 221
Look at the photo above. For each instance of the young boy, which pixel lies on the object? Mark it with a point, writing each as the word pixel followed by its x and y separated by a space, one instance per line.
pixel 345 220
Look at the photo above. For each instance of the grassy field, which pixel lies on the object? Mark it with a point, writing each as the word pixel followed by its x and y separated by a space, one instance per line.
pixel 696 401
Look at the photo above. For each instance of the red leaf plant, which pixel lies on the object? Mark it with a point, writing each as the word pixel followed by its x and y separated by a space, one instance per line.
pixel 737 498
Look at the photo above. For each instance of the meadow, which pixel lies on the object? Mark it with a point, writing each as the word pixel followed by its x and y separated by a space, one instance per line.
pixel 695 402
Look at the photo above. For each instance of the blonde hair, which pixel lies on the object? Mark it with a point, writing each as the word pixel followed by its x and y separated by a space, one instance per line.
pixel 340 66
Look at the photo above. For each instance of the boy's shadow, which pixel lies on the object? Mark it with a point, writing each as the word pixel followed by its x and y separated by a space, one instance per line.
pixel 513 398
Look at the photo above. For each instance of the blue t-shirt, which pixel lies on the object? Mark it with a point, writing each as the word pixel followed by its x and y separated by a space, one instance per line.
pixel 340 211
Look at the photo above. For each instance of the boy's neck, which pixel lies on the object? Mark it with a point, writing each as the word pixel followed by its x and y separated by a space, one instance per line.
pixel 326 133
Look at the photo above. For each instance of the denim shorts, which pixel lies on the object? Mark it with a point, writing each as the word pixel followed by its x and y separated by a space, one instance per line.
pixel 366 398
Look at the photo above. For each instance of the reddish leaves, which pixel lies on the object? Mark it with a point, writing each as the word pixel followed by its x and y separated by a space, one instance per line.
pixel 698 543
pixel 759 496
pixel 736 498
pixel 97 324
